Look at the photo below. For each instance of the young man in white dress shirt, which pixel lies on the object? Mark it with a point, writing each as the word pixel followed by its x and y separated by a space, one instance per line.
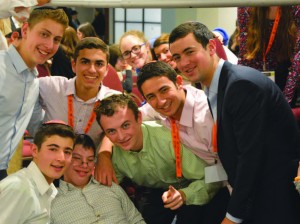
pixel 73 100
pixel 27 194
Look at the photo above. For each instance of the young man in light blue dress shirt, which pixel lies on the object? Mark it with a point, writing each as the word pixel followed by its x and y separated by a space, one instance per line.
pixel 41 36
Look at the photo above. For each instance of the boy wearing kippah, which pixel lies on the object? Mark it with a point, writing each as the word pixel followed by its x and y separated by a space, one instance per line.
pixel 27 194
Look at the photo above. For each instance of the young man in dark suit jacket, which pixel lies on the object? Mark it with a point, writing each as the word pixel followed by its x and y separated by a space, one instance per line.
pixel 257 136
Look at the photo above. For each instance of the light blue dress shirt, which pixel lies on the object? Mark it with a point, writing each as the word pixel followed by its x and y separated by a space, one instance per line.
pixel 19 90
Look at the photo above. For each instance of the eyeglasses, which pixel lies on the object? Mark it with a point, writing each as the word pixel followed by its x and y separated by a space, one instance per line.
pixel 78 161
pixel 135 49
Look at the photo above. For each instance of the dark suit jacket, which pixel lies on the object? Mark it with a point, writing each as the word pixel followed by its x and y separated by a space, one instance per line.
pixel 258 143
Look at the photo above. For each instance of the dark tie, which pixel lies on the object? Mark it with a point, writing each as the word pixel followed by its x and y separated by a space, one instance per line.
pixel 210 107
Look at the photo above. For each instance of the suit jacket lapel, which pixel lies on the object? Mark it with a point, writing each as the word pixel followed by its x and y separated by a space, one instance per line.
pixel 221 90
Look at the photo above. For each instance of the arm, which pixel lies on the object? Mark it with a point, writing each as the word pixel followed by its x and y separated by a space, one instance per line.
pixel 104 171
pixel 243 24
pixel 132 214
pixel 294 74
pixel 127 82
pixel 197 192
pixel 36 118
pixel 297 179
pixel 248 119
pixel 18 8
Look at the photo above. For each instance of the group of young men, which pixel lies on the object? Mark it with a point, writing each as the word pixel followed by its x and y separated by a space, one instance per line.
pixel 225 157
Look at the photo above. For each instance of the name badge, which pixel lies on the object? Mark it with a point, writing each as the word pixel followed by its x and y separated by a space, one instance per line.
pixel 270 75
pixel 215 173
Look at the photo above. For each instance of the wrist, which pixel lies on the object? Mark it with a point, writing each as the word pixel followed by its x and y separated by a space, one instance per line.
pixel 104 153
pixel 183 196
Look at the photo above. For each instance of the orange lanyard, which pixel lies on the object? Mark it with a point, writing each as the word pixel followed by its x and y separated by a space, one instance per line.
pixel 214 138
pixel 272 36
pixel 176 145
pixel 71 114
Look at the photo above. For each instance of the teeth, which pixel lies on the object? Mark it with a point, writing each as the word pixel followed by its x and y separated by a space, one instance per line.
pixel 90 77
pixel 43 52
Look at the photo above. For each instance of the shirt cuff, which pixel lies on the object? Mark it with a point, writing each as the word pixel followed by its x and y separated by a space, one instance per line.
pixel 233 219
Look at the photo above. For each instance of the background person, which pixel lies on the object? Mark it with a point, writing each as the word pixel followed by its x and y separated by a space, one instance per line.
pixel 264 51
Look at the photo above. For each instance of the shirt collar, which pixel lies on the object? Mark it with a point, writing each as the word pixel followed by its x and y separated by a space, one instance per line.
pixel 64 186
pixel 186 118
pixel 213 88
pixel 18 61
pixel 40 181
pixel 71 90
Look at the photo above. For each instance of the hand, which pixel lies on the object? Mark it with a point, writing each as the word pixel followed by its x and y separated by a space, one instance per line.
pixel 173 199
pixel 227 221
pixel 104 171
pixel 298 174
pixel 42 2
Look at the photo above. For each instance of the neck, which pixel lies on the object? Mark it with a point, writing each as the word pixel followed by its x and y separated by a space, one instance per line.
pixel 23 53
pixel 178 113
pixel 84 93
pixel 213 68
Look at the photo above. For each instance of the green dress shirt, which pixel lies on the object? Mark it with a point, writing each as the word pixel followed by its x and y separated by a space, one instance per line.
pixel 154 166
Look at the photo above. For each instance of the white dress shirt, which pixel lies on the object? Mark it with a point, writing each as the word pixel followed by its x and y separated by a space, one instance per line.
pixel 26 197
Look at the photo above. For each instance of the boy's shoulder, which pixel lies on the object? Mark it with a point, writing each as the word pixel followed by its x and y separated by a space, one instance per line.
pixel 17 182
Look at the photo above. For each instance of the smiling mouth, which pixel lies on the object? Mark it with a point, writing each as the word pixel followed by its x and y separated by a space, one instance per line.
pixel 82 173
pixel 124 142
pixel 90 77
pixel 165 108
pixel 43 52
pixel 57 168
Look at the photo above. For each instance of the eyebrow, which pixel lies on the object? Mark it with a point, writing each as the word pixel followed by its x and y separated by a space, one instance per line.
pixel 86 59
pixel 187 49
pixel 76 154
pixel 48 31
pixel 53 145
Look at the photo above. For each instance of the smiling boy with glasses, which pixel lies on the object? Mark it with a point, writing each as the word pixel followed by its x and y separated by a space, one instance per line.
pixel 81 199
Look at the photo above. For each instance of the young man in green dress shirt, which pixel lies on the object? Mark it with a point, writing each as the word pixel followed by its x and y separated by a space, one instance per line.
pixel 143 152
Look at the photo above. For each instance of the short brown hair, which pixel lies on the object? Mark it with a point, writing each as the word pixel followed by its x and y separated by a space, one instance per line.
pixel 109 105
pixel 155 69
pixel 91 43
pixel 57 15
pixel 48 130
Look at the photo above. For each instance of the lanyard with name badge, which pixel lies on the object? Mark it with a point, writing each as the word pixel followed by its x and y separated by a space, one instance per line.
pixel 216 172
pixel 71 114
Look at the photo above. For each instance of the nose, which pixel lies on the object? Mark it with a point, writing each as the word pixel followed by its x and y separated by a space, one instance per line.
pixel 92 68
pixel 163 57
pixel 121 135
pixel 61 155
pixel 84 163
pixel 184 61
pixel 133 55
pixel 160 100
pixel 49 43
